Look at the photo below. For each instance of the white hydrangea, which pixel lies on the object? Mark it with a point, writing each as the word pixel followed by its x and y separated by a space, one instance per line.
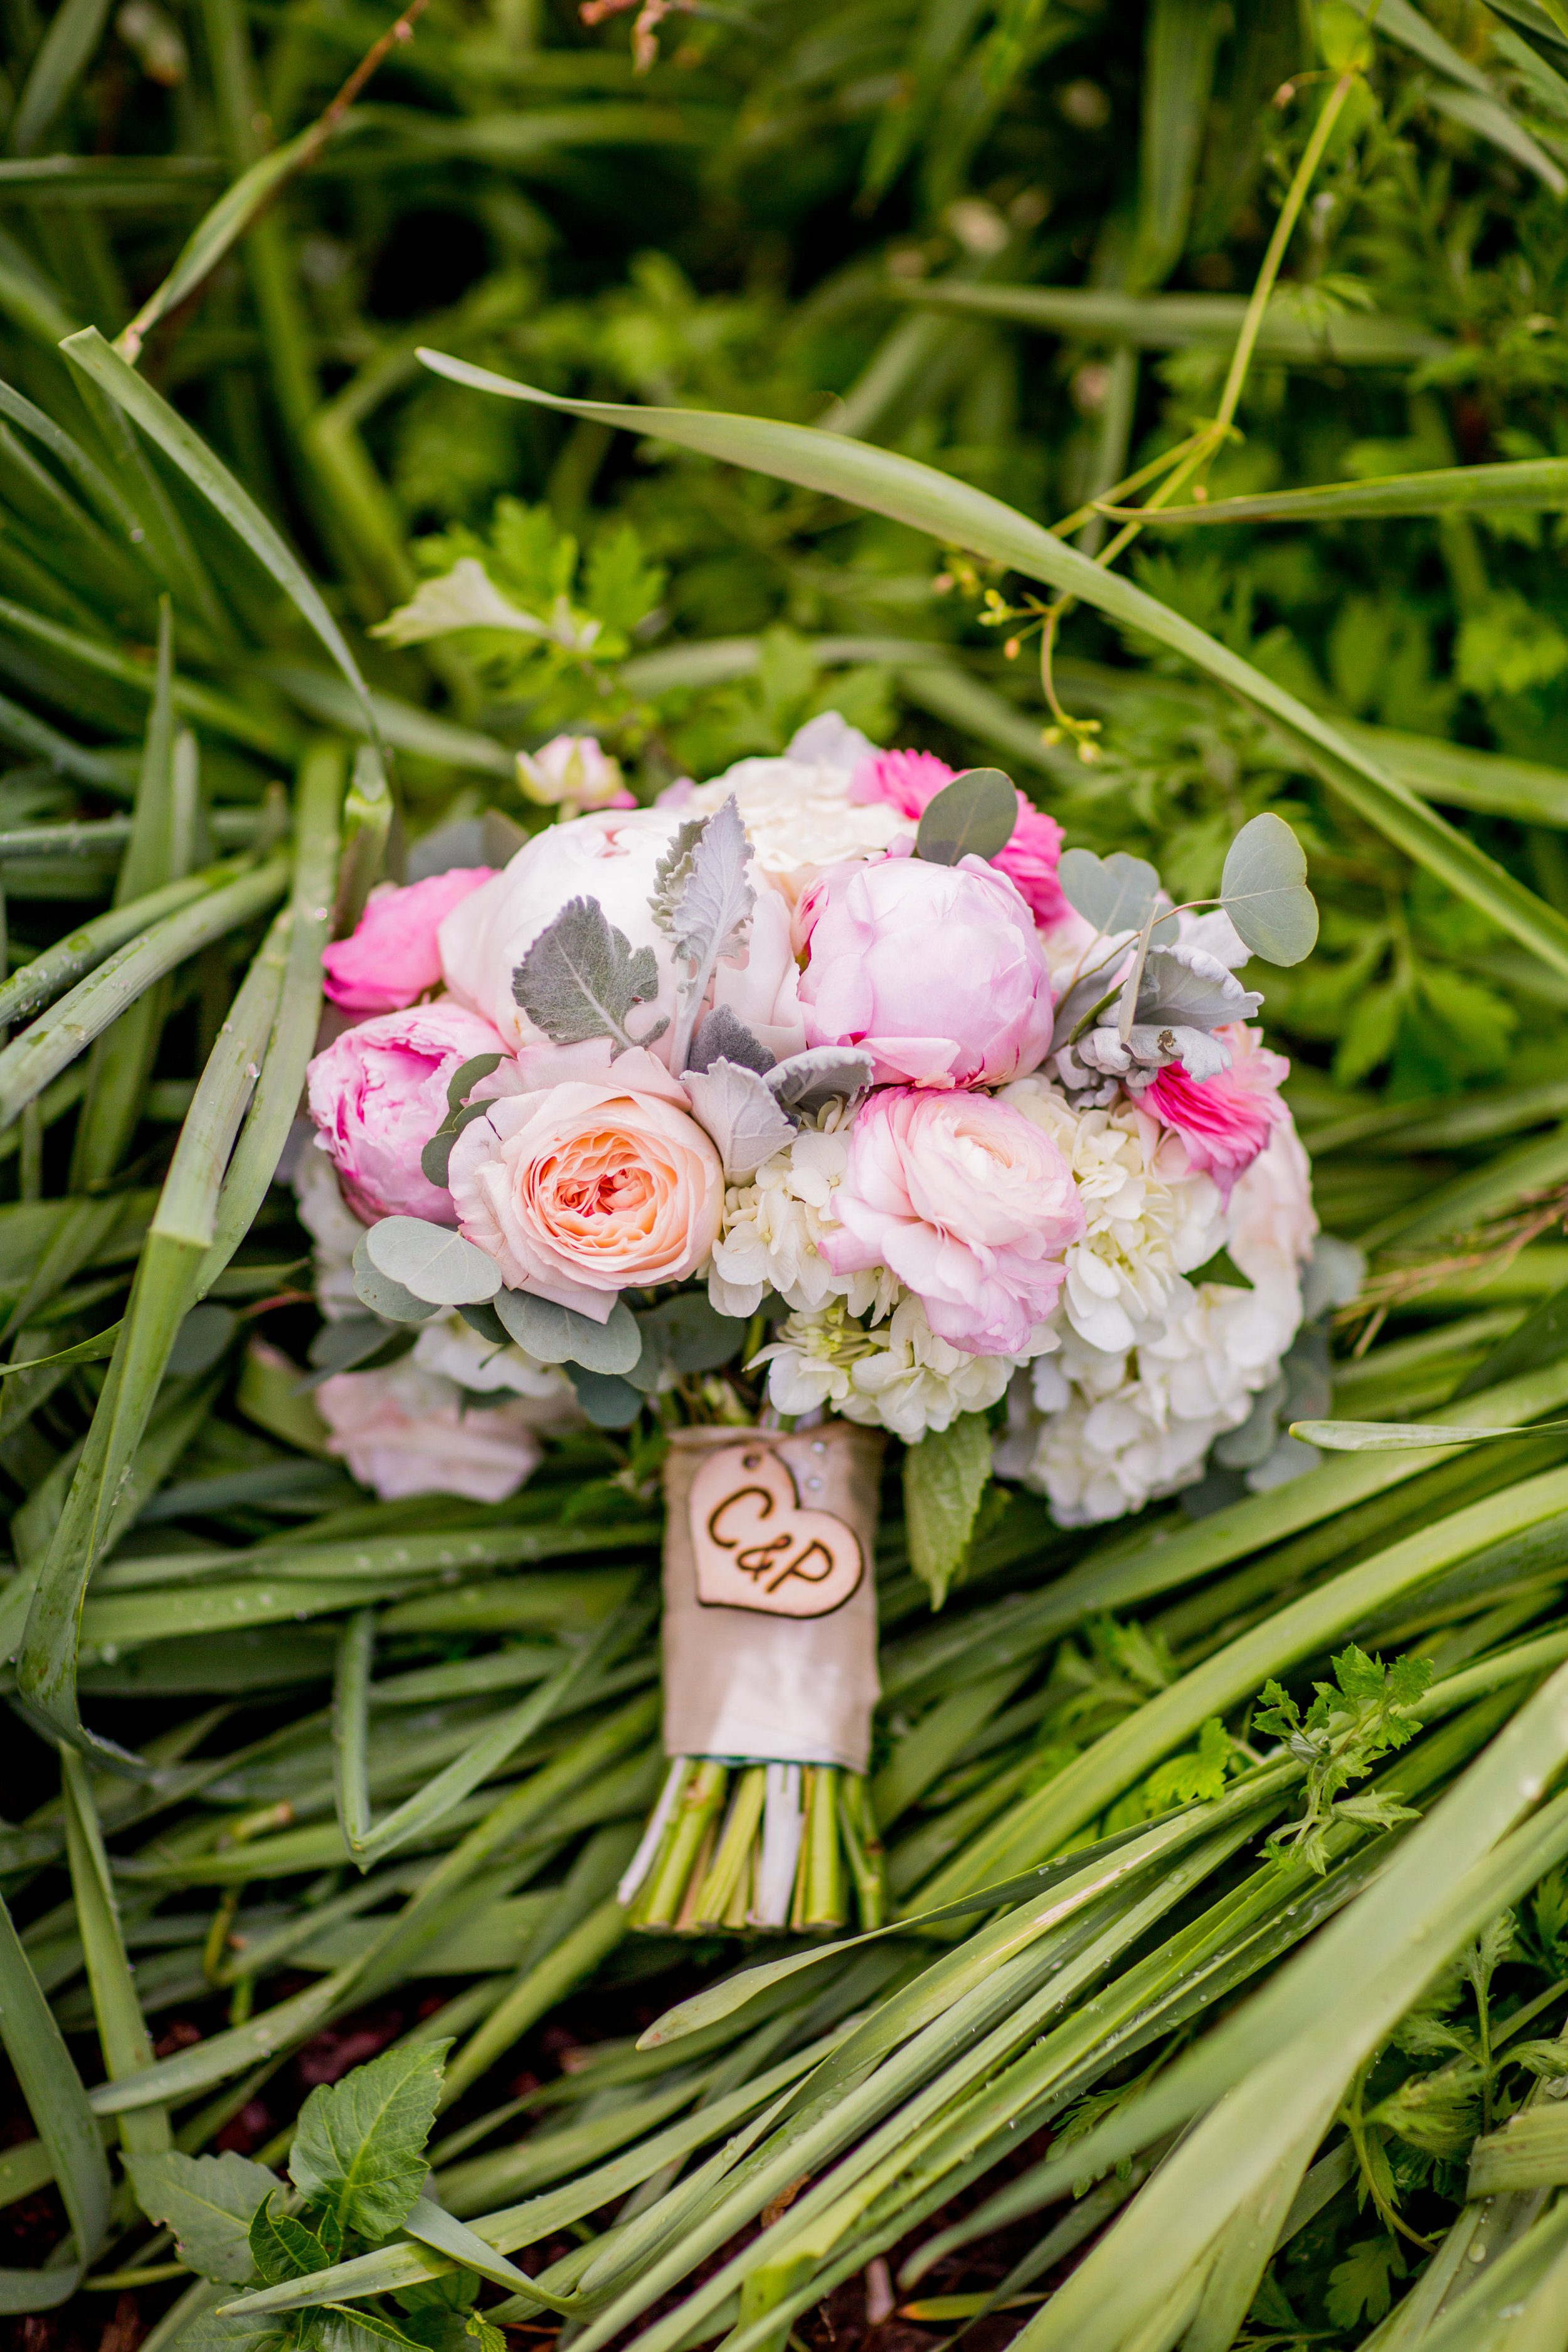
pixel 772 1228
pixel 797 809
pixel 894 1375
pixel 446 1345
pixel 1103 1430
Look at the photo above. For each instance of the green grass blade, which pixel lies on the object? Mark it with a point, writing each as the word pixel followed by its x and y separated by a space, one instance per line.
pixel 953 513
pixel 97 359
pixel 163 1289
pixel 74 33
pixel 121 2029
pixel 1539 484
pixel 1175 321
pixel 66 2124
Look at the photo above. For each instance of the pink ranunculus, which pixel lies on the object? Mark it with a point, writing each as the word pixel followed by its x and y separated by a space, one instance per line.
pixel 968 1202
pixel 392 956
pixel 935 969
pixel 404 1431
pixel 910 780
pixel 581 1187
pixel 377 1096
pixel 1224 1121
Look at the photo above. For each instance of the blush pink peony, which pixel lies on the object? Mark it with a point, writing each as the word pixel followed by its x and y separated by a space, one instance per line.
pixel 404 1431
pixel 970 1206
pixel 392 956
pixel 935 969
pixel 909 780
pixel 580 1187
pixel 1224 1121
pixel 378 1094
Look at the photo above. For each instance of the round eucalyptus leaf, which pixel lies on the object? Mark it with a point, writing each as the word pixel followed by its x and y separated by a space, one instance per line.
pixel 973 816
pixel 484 1320
pixel 437 1152
pixel 690 1333
pixel 609 1404
pixel 1118 893
pixel 559 1335
pixel 382 1295
pixel 1264 891
pixel 360 1343
pixel 432 1261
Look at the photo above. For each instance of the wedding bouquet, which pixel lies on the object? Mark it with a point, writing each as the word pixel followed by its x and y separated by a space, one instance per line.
pixel 821 1102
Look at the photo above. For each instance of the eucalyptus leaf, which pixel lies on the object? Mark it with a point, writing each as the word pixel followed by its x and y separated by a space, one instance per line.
pixel 432 1261
pixel 560 1335
pixel 357 1342
pixel 467 1075
pixel 381 1294
pixel 581 979
pixel 689 1333
pixel 359 2145
pixel 1264 891
pixel 1221 1267
pixel 975 816
pixel 609 1403
pixel 741 1113
pixel 209 2202
pixel 1116 894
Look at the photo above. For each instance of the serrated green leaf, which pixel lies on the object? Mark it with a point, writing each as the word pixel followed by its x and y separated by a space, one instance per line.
pixel 209 2202
pixel 359 2146
pixel 282 2248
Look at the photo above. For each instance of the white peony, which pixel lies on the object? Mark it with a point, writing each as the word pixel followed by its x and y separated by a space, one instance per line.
pixel 452 1348
pixel 1103 1430
pixel 896 1375
pixel 610 856
pixel 797 809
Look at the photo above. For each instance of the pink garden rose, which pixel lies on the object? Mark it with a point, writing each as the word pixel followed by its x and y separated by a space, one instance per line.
pixel 392 957
pixel 404 1431
pixel 935 969
pixel 583 1184
pixel 1224 1121
pixel 378 1094
pixel 909 780
pixel 968 1202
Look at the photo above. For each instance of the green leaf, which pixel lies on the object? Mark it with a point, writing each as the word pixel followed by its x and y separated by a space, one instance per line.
pixel 1358 2286
pixel 467 1075
pixel 609 1401
pixel 375 2323
pixel 122 2028
pixel 74 32
pixel 382 1295
pixel 579 980
pixel 359 2146
pixel 560 1335
pixel 1540 1339
pixel 957 515
pixel 432 1261
pixel 282 2248
pixel 973 816
pixel 209 2202
pixel 52 2089
pixel 945 1477
pixel 1221 1267
pixel 688 1333
pixel 1401 1437
pixel 1118 893
pixel 1263 890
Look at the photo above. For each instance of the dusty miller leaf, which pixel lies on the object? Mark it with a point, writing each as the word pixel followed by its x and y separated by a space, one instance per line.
pixel 705 904
pixel 945 1475
pixel 823 1074
pixel 580 978
pixel 209 2202
pixel 741 1115
pixel 359 2146
pixel 721 1035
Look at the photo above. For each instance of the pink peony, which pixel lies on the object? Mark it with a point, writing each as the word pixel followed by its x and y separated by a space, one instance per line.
pixel 935 969
pixel 378 1094
pixel 909 780
pixel 968 1202
pixel 1224 1121
pixel 581 1186
pixel 392 957
pixel 403 1430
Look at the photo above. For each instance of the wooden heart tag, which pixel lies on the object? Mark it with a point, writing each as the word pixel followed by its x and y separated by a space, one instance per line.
pixel 756 1548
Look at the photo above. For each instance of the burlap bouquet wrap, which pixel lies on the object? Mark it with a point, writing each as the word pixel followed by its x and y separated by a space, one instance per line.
pixel 769 1678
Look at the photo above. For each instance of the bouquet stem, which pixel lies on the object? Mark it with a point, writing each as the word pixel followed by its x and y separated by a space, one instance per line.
pixel 735 1847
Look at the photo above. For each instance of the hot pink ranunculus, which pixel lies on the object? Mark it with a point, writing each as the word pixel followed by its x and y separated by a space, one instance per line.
pixel 968 1202
pixel 377 1096
pixel 391 957
pixel 935 969
pixel 402 1432
pixel 1224 1121
pixel 910 780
